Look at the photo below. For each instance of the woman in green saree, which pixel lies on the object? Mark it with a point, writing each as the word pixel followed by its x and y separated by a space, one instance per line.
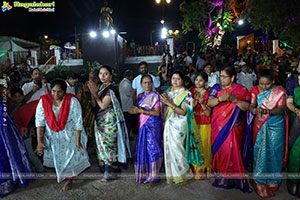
pixel 293 183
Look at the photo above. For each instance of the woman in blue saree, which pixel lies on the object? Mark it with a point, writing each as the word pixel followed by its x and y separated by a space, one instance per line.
pixel 269 134
pixel 15 166
pixel 148 155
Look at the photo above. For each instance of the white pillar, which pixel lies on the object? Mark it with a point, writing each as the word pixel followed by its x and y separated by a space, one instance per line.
pixel 57 55
pixel 238 41
pixel 34 55
pixel 170 42
pixel 11 57
pixel 275 46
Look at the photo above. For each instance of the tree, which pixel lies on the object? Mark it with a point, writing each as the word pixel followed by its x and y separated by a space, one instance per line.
pixel 277 17
pixel 211 18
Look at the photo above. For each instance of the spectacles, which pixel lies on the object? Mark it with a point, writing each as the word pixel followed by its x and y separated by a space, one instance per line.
pixel 224 76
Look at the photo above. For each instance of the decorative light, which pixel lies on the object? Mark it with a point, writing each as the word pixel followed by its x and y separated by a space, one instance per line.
pixel 164 33
pixel 105 34
pixel 168 1
pixel 162 21
pixel 176 32
pixel 93 34
pixel 46 36
pixel 112 31
pixel 241 22
pixel 157 1
pixel 170 32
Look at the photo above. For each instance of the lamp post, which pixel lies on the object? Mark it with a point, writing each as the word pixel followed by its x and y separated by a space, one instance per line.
pixel 162 21
pixel 151 37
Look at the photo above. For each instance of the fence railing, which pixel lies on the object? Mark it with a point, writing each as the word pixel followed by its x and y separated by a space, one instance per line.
pixel 146 50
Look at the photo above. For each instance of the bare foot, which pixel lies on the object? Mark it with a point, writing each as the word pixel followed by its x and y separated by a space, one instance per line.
pixel 66 187
pixel 103 180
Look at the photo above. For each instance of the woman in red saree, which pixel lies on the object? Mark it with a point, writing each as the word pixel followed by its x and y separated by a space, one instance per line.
pixel 228 100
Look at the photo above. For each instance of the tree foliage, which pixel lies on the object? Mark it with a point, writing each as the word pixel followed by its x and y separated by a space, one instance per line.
pixel 277 17
pixel 211 18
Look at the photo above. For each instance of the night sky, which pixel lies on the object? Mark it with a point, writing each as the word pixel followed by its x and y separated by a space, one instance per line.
pixel 136 17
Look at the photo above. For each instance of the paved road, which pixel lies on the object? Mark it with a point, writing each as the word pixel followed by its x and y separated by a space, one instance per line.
pixel 88 186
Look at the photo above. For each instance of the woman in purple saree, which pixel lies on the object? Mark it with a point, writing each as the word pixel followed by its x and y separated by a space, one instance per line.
pixel 148 155
pixel 15 166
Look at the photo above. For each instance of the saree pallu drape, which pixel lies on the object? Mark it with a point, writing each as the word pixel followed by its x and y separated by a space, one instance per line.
pixel 180 147
pixel 148 154
pixel 269 137
pixel 293 168
pixel 111 134
pixel 227 124
pixel 15 166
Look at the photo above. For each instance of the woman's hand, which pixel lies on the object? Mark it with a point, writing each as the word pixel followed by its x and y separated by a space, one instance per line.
pixel 44 82
pixel 232 98
pixel 93 88
pixel 195 103
pixel 297 112
pixel 224 97
pixel 80 147
pixel 165 99
pixel 39 149
pixel 260 111
pixel 134 110
pixel 201 100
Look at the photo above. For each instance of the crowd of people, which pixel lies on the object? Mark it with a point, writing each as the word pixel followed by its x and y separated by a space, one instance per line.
pixel 212 114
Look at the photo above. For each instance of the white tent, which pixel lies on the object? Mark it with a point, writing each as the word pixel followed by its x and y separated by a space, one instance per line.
pixel 9 45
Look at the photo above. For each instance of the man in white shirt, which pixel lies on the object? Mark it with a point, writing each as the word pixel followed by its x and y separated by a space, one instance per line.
pixel 213 77
pixel 71 81
pixel 33 91
pixel 136 84
pixel 200 62
pixel 246 77
pixel 187 59
pixel 125 90
pixel 36 88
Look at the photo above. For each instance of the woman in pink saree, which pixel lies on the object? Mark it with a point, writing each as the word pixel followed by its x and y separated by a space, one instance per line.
pixel 229 101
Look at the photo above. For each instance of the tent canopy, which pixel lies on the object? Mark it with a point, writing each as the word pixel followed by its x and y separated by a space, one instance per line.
pixel 16 44
pixel 13 44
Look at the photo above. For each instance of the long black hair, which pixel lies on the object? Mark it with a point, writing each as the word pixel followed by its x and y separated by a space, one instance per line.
pixel 203 75
pixel 231 72
pixel 61 83
pixel 146 75
pixel 266 73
